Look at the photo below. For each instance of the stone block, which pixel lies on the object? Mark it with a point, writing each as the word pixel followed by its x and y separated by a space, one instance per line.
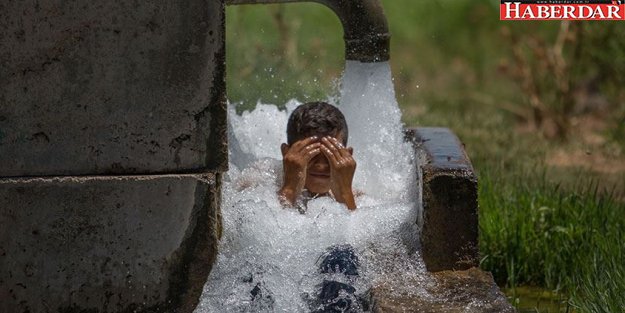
pixel 449 232
pixel 112 87
pixel 107 244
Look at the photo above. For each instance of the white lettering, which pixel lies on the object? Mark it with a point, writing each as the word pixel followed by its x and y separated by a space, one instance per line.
pixel 555 11
pixel 613 12
pixel 568 12
pixel 581 11
pixel 599 12
pixel 517 8
pixel 543 11
pixel 528 13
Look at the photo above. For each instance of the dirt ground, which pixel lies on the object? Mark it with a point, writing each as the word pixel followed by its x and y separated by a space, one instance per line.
pixel 589 150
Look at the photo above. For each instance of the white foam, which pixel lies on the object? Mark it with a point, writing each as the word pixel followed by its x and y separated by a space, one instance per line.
pixel 374 120
pixel 280 248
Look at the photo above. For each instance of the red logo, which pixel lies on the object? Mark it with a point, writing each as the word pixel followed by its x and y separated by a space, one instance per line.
pixel 562 10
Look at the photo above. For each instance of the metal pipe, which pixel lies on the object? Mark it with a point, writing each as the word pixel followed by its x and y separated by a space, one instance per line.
pixel 366 34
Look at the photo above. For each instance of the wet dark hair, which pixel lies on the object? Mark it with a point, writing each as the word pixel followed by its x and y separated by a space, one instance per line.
pixel 315 119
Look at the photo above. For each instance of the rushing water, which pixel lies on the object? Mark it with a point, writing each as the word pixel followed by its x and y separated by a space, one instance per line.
pixel 276 250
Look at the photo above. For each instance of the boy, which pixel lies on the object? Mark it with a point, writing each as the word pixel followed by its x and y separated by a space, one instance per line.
pixel 317 163
pixel 315 159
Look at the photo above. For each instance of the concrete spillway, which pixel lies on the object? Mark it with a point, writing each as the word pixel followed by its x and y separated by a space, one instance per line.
pixel 269 259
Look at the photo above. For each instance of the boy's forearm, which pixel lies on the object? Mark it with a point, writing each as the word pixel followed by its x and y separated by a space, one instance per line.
pixel 287 196
pixel 290 190
pixel 348 199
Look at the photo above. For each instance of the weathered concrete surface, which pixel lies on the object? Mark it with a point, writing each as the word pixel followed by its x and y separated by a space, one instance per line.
pixel 112 87
pixel 107 244
pixel 468 291
pixel 449 232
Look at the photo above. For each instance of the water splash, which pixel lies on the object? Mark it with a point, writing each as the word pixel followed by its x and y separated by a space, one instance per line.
pixel 376 132
pixel 274 252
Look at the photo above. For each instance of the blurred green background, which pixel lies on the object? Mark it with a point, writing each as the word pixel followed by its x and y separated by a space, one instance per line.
pixel 540 107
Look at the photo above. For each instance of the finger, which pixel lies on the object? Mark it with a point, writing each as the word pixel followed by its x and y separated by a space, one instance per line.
pixel 304 150
pixel 299 145
pixel 326 151
pixel 344 152
pixel 325 143
pixel 310 147
pixel 337 143
pixel 312 153
pixel 333 148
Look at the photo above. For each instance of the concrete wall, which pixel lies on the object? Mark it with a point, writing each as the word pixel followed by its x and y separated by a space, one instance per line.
pixel 111 87
pixel 112 138
pixel 111 244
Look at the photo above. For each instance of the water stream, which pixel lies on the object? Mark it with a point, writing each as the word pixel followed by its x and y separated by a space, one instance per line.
pixel 275 252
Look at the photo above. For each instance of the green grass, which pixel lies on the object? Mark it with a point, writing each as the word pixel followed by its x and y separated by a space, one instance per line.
pixel 565 241
pixel 273 64
pixel 551 227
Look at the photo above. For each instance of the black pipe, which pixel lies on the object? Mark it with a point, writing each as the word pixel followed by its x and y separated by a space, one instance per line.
pixel 366 34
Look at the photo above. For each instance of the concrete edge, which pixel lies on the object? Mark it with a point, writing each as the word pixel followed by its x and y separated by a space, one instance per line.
pixel 203 177
pixel 449 232
pixel 198 252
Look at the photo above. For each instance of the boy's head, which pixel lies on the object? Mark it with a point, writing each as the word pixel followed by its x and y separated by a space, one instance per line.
pixel 316 119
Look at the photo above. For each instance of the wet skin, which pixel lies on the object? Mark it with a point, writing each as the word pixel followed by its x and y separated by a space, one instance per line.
pixel 322 165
